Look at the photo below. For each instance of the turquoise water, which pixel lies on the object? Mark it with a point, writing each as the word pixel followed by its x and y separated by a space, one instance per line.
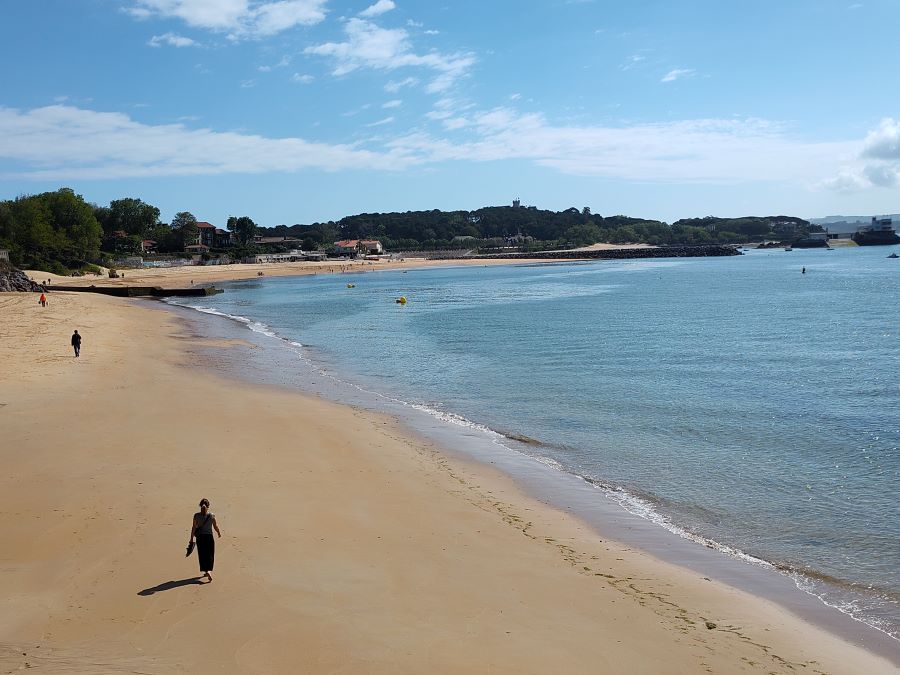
pixel 736 401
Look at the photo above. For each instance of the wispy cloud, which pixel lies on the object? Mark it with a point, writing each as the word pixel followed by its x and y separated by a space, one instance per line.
pixel 632 61
pixel 379 7
pixel 238 18
pixel 64 143
pixel 677 74
pixel 370 46
pixel 692 151
pixel 396 103
pixel 172 40
pixel 394 86
pixel 302 79
pixel 381 122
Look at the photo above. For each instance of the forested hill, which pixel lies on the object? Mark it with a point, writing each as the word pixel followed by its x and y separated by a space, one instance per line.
pixel 538 228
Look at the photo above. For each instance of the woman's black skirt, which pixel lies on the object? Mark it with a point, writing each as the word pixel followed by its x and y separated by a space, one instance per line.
pixel 206 552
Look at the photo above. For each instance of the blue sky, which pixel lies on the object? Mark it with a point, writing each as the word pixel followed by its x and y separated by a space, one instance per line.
pixel 302 110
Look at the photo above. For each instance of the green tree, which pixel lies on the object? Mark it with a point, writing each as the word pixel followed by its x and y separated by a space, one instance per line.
pixel 243 228
pixel 184 224
pixel 77 229
pixel 130 215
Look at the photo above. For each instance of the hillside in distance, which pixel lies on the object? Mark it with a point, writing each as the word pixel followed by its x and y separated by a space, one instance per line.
pixel 530 227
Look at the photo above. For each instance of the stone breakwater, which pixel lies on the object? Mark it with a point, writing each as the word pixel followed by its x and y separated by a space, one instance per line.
pixel 12 280
pixel 621 253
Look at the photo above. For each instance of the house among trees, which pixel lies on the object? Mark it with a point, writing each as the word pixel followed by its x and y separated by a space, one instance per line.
pixel 148 246
pixel 353 247
pixel 4 254
pixel 211 236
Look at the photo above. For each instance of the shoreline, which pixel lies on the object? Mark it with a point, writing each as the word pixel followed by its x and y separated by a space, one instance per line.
pixel 610 513
pixel 386 552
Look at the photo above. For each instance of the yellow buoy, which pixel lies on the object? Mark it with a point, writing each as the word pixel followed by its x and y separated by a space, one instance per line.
pixel 351 285
pixel 401 300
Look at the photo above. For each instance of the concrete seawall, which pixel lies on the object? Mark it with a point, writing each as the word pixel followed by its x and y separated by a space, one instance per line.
pixel 621 253
pixel 141 291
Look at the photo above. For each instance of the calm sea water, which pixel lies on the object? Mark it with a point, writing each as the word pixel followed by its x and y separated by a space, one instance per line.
pixel 734 400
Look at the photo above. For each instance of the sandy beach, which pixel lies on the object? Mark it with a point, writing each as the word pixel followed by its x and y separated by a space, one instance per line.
pixel 350 546
pixel 204 275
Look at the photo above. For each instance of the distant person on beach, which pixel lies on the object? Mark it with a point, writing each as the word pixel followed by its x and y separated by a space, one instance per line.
pixel 803 271
pixel 76 343
pixel 202 528
pixel 43 300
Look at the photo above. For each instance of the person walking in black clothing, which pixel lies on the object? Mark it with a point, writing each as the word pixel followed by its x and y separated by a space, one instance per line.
pixel 202 528
pixel 76 342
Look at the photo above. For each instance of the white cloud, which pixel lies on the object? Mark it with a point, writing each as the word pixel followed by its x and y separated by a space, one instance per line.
pixel 432 32
pixel 302 79
pixel 172 40
pixel 692 151
pixel 379 7
pixel 264 69
pixel 396 103
pixel 846 181
pixel 238 18
pixel 882 175
pixel 876 164
pixel 63 142
pixel 370 46
pixel 884 141
pixel 454 123
pixel 632 61
pixel 677 74
pixel 66 143
pixel 393 87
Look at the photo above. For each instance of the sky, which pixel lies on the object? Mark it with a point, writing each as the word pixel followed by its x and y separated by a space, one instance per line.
pixel 297 111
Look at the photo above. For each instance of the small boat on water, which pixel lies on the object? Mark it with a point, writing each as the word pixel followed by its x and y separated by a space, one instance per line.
pixel 788 248
pixel 893 255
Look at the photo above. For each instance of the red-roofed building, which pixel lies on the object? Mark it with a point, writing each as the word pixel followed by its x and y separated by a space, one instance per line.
pixel 359 246
pixel 206 233
pixel 211 236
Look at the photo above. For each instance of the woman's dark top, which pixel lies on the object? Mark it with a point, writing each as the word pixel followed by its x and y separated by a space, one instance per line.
pixel 201 528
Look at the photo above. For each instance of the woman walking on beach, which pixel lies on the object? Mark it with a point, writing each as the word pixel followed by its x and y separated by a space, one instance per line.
pixel 202 528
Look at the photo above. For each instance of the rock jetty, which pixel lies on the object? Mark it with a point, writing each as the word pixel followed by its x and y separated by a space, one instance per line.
pixel 12 279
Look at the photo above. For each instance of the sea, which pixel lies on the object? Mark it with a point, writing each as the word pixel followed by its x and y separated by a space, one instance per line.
pixel 747 407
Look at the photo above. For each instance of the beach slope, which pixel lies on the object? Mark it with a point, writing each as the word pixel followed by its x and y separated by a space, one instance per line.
pixel 349 546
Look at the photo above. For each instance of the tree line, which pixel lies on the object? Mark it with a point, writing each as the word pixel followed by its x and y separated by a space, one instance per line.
pixel 529 227
pixel 60 232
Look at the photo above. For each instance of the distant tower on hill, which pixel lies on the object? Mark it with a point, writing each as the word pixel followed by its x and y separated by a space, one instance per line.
pixel 517 203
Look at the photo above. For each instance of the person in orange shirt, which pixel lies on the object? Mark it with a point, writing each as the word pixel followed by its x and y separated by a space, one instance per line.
pixel 43 300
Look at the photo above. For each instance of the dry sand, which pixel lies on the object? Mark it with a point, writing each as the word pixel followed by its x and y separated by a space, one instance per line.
pixel 188 275
pixel 349 546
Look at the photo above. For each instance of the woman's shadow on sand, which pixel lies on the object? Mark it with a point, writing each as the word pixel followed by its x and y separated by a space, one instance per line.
pixel 169 585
